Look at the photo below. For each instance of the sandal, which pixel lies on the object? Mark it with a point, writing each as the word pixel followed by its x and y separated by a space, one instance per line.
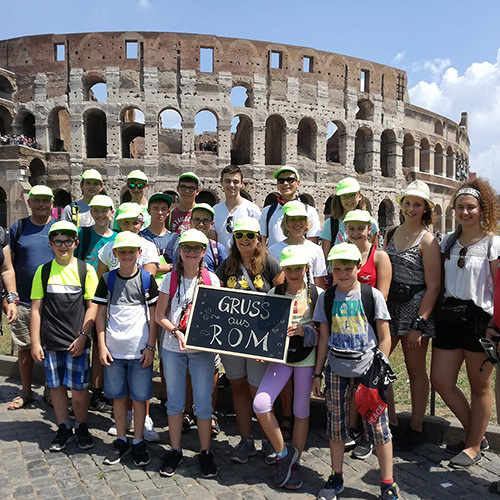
pixel 22 400
pixel 286 427
pixel 215 425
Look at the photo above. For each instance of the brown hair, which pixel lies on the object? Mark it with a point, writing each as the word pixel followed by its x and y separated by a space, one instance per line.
pixel 428 217
pixel 179 269
pixel 338 209
pixel 257 262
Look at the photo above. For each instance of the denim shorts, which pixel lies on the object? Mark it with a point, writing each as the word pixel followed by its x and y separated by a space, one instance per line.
pixel 238 367
pixel 128 376
pixel 63 369
pixel 201 368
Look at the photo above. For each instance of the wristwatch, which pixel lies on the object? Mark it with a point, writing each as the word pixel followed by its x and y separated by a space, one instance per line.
pixel 318 375
pixel 174 331
pixel 86 334
pixel 418 323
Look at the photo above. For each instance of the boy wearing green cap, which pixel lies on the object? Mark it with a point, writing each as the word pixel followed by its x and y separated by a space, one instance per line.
pixel 349 338
pixel 60 329
pixel 188 188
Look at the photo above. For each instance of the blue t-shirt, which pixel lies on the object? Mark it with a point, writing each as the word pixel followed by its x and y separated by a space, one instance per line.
pixel 160 242
pixel 96 243
pixel 209 258
pixel 32 250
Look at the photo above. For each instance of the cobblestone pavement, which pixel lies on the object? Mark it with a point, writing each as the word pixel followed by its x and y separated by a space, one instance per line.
pixel 29 471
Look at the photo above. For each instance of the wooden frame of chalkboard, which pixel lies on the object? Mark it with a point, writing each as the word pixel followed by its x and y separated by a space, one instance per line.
pixel 239 323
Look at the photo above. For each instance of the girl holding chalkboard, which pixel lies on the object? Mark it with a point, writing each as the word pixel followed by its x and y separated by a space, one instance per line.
pixel 301 360
pixel 248 267
pixel 176 295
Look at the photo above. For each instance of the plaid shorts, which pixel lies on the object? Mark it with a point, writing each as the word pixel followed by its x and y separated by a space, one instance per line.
pixel 339 394
pixel 62 369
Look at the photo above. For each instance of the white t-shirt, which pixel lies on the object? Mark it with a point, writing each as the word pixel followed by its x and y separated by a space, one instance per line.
pixel 275 232
pixel 149 255
pixel 245 209
pixel 317 266
pixel 474 281
pixel 178 304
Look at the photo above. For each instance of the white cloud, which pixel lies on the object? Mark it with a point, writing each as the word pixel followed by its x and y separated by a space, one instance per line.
pixel 436 67
pixel 398 57
pixel 144 4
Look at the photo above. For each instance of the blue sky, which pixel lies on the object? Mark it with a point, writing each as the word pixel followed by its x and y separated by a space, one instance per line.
pixel 449 49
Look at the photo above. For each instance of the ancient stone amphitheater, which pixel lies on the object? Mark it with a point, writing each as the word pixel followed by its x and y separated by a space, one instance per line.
pixel 169 102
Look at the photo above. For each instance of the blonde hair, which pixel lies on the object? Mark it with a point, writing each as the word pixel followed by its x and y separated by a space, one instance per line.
pixel 284 223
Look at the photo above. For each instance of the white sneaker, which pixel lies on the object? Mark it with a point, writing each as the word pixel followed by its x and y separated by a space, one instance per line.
pixel 130 427
pixel 150 434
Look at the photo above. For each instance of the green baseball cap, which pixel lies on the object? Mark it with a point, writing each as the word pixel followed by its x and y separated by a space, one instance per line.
pixel 127 239
pixel 128 211
pixel 190 176
pixel 286 168
pixel 204 206
pixel 344 251
pixel 160 197
pixel 248 224
pixel 295 208
pixel 137 174
pixel 101 200
pixel 41 190
pixel 294 255
pixel 348 185
pixel 63 225
pixel 193 236
pixel 358 216
pixel 91 175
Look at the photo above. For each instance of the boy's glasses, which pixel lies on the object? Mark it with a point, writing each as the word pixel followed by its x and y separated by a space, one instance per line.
pixel 249 236
pixel 60 243
pixel 136 185
pixel 288 180
pixel 188 248
pixel 188 189
pixel 203 222
pixel 461 257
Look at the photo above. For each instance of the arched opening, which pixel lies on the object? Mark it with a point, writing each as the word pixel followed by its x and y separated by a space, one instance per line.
pixel 241 97
pixel 450 163
pixel 205 132
pixel 98 92
pixel 61 198
pixel 28 128
pixel 388 153
pixel 241 140
pixel 438 127
pixel 59 130
pixel 306 138
pixel 438 159
pixel 3 208
pixel 363 150
pixel 307 199
pixel 364 110
pixel 275 147
pixel 332 143
pixel 38 173
pixel 169 132
pixel 205 196
pixel 408 151
pixel 327 207
pixel 5 121
pixel 438 226
pixel 95 127
pixel 271 198
pixel 6 88
pixel 385 215
pixel 132 133
pixel 448 223
pixel 425 151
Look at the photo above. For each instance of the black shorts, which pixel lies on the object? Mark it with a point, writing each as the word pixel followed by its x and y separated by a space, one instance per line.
pixel 462 333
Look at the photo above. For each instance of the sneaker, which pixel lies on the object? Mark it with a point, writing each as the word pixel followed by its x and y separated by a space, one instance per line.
pixel 208 468
pixel 389 491
pixel 332 488
pixel 295 480
pixel 268 451
pixel 410 440
pixel 363 450
pixel 460 446
pixel 140 454
pixel 284 466
pixel 355 437
pixel 150 434
pixel 99 402
pixel 63 437
pixel 244 450
pixel 130 427
pixel 187 422
pixel 118 450
pixel 170 463
pixel 83 437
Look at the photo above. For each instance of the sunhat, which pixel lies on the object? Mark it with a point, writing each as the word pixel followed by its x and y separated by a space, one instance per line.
pixel 193 236
pixel 203 206
pixel 101 200
pixel 419 189
pixel 41 190
pixel 358 216
pixel 286 168
pixel 63 225
pixel 137 174
pixel 295 208
pixel 91 175
pixel 248 224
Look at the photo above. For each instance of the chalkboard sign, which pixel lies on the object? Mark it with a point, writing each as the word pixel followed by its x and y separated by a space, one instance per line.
pixel 240 323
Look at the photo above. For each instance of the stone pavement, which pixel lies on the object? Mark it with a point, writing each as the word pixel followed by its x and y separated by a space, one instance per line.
pixel 29 471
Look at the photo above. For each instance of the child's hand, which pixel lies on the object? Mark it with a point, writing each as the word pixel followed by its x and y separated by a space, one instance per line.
pixel 295 330
pixel 37 352
pixel 77 346
pixel 316 388
pixel 105 356
pixel 11 312
pixel 147 357
pixel 415 339
pixel 181 338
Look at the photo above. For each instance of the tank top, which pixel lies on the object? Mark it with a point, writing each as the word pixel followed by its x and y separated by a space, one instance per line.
pixel 368 272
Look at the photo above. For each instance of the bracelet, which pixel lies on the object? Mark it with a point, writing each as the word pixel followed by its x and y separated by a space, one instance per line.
pixel 318 375
pixel 174 331
pixel 12 298
pixel 150 348
pixel 85 334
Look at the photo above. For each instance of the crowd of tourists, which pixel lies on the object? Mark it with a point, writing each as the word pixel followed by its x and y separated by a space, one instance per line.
pixel 19 140
pixel 108 289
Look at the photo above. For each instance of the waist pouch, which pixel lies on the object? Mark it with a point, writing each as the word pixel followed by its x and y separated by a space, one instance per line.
pixel 402 292
pixel 350 364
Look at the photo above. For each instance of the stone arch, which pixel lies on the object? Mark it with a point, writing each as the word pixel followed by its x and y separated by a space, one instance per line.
pixel 335 142
pixel 307 199
pixel 206 131
pixel 327 207
pixel 95 88
pixel 408 151
pixel 438 226
pixel 207 196
pixel 385 214
pixel 307 133
pixel 438 159
pixel 241 140
pixel 388 153
pixel 271 198
pixel 61 198
pixel 364 110
pixel 425 151
pixel 6 88
pixel 450 163
pixel 438 127
pixel 448 221
pixel 5 121
pixel 169 131
pixel 132 127
pixel 275 147
pixel 363 150
pixel 59 129
pixel 95 129
pixel 3 207
pixel 24 123
pixel 38 172
pixel 241 96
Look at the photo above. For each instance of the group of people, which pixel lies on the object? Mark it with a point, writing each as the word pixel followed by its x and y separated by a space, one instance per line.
pixel 20 140
pixel 126 280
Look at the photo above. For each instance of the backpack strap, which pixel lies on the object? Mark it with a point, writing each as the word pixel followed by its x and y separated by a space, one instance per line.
pixel 110 283
pixel 205 276
pixel 280 289
pixel 270 212
pixel 85 243
pixel 75 213
pixel 45 275
pixel 451 241
pixel 390 233
pixel 334 229
pixel 215 252
pixel 173 283
pixel 21 224
pixel 146 285
pixel 329 298
pixel 82 275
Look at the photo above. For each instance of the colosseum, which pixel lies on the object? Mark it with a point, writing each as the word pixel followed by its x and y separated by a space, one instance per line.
pixel 168 103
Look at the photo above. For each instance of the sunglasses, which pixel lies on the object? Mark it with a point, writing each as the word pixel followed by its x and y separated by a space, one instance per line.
pixel 203 222
pixel 229 224
pixel 289 180
pixel 461 257
pixel 60 243
pixel 189 189
pixel 136 185
pixel 249 236
pixel 188 248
